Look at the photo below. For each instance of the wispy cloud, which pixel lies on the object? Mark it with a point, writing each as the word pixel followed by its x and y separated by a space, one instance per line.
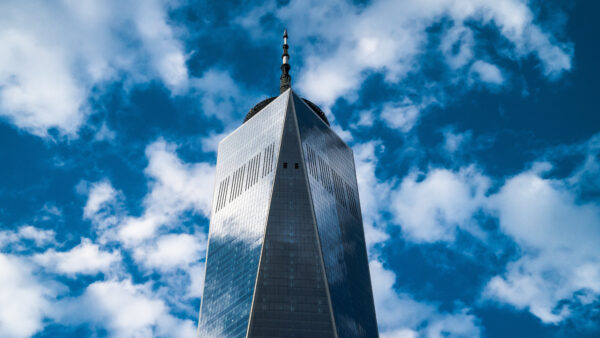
pixel 343 44
pixel 487 73
pixel 40 237
pixel 85 258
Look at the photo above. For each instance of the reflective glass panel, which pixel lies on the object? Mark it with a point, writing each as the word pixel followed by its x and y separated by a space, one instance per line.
pixel 238 221
pixel 334 191
pixel 291 293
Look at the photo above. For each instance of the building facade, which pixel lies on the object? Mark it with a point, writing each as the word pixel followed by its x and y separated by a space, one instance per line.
pixel 286 254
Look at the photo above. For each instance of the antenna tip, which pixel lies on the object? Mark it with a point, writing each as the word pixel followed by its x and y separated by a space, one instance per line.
pixel 285 33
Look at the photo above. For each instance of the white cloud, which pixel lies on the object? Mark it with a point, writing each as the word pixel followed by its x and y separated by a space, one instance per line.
pixel 210 143
pixel 457 46
pixel 171 251
pixel 105 133
pixel 585 179
pixel 24 300
pixel 102 208
pixel 458 324
pixel 196 286
pixel 38 90
pixel 54 54
pixel 342 133
pixel 556 57
pixel 100 193
pixel 175 187
pixel 39 236
pixel 560 243
pixel 432 208
pixel 125 309
pixel 366 119
pixel 220 93
pixel 399 315
pixel 399 333
pixel 454 141
pixel 347 43
pixel 86 258
pixel 401 115
pixel 558 236
pixel 395 310
pixel 487 72
pixel 373 193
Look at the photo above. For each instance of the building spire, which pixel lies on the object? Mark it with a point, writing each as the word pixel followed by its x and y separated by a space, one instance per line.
pixel 285 80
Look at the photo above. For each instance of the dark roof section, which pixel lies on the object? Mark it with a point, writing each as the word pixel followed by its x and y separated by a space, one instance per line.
pixel 317 110
pixel 259 106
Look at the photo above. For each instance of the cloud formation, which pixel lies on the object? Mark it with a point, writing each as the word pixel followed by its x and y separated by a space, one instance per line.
pixel 487 72
pixel 174 188
pixel 56 54
pixel 430 209
pixel 40 237
pixel 399 315
pixel 373 193
pixel 389 36
pixel 343 44
pixel 86 258
pixel 558 237
pixel 171 251
pixel 125 309
pixel 560 243
pixel 24 300
pixel 147 256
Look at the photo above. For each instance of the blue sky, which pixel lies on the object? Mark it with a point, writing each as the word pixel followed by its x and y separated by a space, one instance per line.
pixel 474 124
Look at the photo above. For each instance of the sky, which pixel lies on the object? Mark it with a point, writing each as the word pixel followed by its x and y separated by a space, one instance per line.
pixel 475 128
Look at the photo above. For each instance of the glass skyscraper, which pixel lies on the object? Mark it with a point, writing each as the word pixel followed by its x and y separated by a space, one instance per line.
pixel 286 254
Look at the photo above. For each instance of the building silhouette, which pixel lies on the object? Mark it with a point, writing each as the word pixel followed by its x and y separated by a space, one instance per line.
pixel 286 253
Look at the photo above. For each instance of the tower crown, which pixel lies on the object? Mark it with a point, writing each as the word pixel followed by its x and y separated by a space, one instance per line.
pixel 285 82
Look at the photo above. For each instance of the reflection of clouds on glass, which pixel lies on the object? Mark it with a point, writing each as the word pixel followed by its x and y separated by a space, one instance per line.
pixel 237 227
pixel 340 230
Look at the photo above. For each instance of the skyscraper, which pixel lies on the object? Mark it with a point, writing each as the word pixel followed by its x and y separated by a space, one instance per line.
pixel 286 254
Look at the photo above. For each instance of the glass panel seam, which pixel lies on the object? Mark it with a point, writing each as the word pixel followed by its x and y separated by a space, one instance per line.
pixel 229 179
pixel 320 250
pixel 205 265
pixel 251 317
